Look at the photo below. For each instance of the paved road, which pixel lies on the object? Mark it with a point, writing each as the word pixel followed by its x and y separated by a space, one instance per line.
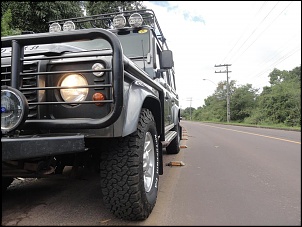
pixel 232 176
pixel 238 176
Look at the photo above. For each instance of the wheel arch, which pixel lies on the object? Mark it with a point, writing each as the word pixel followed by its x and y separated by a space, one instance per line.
pixel 139 98
pixel 154 106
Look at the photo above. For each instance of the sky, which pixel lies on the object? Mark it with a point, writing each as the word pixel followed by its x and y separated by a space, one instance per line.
pixel 251 37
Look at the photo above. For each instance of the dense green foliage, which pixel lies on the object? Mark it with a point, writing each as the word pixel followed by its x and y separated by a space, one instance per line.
pixel 33 15
pixel 277 104
pixel 6 24
pixel 243 102
pixel 280 103
pixel 98 7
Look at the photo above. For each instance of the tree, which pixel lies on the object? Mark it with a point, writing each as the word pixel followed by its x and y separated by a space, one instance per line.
pixel 215 107
pixel 187 113
pixel 281 102
pixel 33 16
pixel 243 102
pixel 6 21
pixel 99 7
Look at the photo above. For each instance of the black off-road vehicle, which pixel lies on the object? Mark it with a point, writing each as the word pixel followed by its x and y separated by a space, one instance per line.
pixel 102 97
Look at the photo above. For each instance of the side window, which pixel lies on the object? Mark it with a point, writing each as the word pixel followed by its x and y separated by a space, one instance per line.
pixel 172 78
pixel 166 77
pixel 165 74
pixel 157 57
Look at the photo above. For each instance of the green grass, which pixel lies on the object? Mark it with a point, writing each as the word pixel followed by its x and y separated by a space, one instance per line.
pixel 280 126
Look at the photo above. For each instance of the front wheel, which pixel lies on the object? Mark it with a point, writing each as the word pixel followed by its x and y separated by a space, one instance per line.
pixel 130 171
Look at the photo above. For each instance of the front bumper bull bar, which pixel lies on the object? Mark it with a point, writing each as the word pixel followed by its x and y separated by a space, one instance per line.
pixel 36 146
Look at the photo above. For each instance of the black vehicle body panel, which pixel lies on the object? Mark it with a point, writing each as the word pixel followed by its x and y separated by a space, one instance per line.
pixel 52 129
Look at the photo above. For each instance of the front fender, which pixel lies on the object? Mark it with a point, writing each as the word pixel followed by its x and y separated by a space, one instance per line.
pixel 137 94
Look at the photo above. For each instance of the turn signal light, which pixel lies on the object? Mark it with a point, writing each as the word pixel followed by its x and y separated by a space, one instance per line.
pixel 98 97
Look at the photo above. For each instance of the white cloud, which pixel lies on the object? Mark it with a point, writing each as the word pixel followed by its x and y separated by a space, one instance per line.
pixel 253 36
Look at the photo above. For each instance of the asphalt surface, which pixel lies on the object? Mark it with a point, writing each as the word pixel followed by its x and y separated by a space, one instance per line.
pixel 231 175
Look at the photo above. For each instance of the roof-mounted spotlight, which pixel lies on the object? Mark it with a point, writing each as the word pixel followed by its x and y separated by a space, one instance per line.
pixel 68 26
pixel 135 20
pixel 55 27
pixel 119 21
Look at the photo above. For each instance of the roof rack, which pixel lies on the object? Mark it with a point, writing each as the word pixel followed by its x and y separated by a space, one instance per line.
pixel 106 20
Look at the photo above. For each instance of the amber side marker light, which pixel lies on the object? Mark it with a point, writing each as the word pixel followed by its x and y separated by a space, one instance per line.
pixel 98 97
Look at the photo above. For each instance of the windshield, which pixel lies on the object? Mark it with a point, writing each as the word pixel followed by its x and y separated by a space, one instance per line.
pixel 134 43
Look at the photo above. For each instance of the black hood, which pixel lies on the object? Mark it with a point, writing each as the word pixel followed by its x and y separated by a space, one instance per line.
pixel 46 49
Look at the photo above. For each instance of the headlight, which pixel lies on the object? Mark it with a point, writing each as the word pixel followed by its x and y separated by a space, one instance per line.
pixel 74 94
pixel 14 109
pixel 135 20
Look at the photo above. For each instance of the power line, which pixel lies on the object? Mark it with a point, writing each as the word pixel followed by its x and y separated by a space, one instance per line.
pixel 254 30
pixel 233 48
pixel 278 61
pixel 263 31
pixel 263 67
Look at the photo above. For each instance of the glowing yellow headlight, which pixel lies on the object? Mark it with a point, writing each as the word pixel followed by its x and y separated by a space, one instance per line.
pixel 74 94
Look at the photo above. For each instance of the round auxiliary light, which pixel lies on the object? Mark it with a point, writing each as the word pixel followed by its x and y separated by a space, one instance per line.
pixel 98 66
pixel 119 21
pixel 14 109
pixel 135 20
pixel 68 26
pixel 55 27
pixel 74 94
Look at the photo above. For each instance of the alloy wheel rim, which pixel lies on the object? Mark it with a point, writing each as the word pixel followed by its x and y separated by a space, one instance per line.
pixel 148 162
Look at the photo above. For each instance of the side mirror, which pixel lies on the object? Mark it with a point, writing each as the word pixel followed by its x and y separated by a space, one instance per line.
pixel 166 59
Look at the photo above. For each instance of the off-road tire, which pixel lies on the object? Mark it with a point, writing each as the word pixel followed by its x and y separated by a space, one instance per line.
pixel 124 173
pixel 174 146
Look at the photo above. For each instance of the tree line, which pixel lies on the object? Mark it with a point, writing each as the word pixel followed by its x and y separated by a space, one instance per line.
pixel 277 104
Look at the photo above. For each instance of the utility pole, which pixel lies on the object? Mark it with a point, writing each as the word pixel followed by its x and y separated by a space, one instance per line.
pixel 228 89
pixel 190 99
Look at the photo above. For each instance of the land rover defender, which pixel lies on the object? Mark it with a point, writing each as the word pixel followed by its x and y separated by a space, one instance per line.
pixel 96 92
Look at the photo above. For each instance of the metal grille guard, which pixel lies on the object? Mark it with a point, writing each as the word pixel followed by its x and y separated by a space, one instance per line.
pixel 17 43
